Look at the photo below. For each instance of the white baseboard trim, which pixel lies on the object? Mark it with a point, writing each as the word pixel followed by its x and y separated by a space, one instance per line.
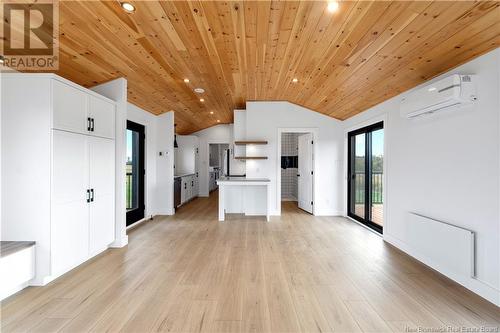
pixel 121 242
pixel 14 290
pixel 478 287
pixel 136 224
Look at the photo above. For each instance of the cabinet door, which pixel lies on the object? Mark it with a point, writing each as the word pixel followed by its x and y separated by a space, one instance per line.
pixel 103 117
pixel 184 190
pixel 102 185
pixel 70 210
pixel 196 185
pixel 70 108
pixel 191 187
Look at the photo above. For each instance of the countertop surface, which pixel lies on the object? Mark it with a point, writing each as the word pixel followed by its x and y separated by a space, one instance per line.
pixel 243 179
pixel 183 175
pixel 9 247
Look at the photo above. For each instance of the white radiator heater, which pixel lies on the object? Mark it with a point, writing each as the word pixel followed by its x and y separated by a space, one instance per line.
pixel 445 247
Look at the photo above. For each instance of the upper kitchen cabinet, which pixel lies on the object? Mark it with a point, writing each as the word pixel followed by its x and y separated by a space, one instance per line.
pixel 70 108
pixel 81 111
pixel 102 117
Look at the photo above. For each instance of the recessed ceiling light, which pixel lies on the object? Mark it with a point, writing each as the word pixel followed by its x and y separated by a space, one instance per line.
pixel 199 90
pixel 333 6
pixel 295 80
pixel 218 120
pixel 128 7
pixel 186 80
pixel 211 112
pixel 202 100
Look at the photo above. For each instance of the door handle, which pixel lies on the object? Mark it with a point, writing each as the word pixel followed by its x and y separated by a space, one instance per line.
pixel 88 195
pixel 92 195
pixel 88 124
pixel 298 175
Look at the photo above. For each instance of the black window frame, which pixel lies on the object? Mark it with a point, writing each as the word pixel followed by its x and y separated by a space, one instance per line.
pixel 137 214
pixel 367 130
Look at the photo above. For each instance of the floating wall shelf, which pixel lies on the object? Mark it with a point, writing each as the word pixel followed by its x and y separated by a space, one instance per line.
pixel 242 143
pixel 251 157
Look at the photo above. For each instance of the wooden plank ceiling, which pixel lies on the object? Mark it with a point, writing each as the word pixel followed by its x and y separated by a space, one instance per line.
pixel 345 62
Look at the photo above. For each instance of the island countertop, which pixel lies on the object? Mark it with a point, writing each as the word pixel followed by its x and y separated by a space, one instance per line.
pixel 241 180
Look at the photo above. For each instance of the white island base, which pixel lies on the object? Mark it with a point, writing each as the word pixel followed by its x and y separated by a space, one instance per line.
pixel 241 195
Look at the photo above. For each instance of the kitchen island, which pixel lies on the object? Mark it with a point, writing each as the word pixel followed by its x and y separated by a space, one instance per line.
pixel 242 195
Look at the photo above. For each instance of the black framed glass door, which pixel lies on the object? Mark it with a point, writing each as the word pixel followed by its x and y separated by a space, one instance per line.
pixel 135 172
pixel 366 175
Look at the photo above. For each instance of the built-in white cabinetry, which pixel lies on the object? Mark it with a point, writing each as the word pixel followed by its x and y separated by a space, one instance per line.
pixel 189 187
pixel 58 154
pixel 79 112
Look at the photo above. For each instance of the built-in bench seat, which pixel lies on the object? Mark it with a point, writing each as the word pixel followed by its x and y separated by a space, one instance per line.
pixel 17 266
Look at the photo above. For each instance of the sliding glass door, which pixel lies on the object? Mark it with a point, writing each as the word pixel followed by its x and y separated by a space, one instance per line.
pixel 366 175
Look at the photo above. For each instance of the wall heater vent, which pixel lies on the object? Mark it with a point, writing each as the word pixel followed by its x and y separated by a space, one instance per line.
pixel 445 247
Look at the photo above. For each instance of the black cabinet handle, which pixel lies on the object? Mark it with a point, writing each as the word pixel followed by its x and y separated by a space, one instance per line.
pixel 92 124
pixel 185 186
pixel 88 195
pixel 192 183
pixel 88 124
pixel 92 195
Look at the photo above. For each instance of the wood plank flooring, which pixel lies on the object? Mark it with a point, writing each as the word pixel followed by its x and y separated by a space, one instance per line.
pixel 297 273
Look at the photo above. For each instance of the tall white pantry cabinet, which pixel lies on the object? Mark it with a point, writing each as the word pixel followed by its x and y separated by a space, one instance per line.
pixel 58 170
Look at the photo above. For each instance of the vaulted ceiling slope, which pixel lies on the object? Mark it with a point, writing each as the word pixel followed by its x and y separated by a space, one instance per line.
pixel 345 62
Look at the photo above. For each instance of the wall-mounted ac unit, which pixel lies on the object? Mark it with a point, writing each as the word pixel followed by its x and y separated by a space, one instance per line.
pixel 455 90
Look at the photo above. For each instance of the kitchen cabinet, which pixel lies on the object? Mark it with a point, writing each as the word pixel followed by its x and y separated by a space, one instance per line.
pixel 188 187
pixel 60 173
pixel 76 111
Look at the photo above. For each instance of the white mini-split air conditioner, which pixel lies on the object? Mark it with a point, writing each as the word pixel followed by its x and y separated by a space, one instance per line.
pixel 455 90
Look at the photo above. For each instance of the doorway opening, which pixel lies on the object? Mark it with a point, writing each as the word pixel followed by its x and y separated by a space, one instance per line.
pixel 297 169
pixel 366 175
pixel 218 157
pixel 135 167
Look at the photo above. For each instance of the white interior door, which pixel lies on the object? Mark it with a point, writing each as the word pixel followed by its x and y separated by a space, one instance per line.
pixel 70 210
pixel 305 172
pixel 102 184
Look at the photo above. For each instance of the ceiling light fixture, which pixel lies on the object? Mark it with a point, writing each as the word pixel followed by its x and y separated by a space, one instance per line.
pixel 128 7
pixel 186 80
pixel 211 112
pixel 202 100
pixel 333 6
pixel 218 120
pixel 295 80
pixel 199 90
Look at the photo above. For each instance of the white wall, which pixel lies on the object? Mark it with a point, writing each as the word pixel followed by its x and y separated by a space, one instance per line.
pixel 263 121
pixel 215 134
pixel 148 120
pixel 164 190
pixel 185 154
pixel 446 166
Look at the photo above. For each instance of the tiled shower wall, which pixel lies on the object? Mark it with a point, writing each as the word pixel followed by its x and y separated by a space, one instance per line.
pixel 289 147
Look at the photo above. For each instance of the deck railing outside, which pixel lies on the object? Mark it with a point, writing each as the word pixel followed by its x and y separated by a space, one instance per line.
pixel 129 190
pixel 377 187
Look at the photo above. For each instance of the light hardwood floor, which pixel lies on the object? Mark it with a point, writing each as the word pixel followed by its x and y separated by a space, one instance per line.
pixel 297 273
